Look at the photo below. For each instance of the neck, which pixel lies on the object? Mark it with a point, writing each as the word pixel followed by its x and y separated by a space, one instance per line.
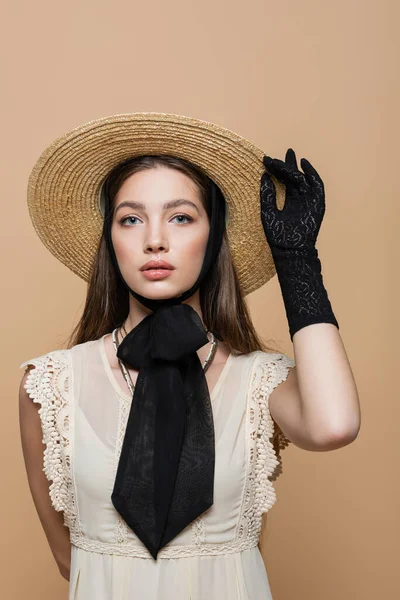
pixel 137 311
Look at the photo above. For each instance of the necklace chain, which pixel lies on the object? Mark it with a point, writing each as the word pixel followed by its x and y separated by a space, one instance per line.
pixel 127 375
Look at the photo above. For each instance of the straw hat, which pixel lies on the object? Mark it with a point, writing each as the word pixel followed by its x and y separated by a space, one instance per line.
pixel 64 187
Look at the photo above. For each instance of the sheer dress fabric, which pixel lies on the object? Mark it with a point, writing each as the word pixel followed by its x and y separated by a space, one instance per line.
pixel 83 412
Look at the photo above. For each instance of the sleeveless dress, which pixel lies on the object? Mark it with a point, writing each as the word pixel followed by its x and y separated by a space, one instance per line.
pixel 83 415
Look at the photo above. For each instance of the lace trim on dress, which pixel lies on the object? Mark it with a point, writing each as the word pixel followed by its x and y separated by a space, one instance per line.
pixel 198 531
pixel 167 552
pixel 50 384
pixel 122 529
pixel 264 461
pixel 270 371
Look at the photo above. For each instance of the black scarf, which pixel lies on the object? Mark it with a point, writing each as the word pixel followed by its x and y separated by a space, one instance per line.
pixel 165 476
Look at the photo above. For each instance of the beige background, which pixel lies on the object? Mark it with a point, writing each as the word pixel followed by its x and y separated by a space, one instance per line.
pixel 320 77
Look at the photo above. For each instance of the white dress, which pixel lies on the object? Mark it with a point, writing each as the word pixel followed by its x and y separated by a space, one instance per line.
pixel 83 415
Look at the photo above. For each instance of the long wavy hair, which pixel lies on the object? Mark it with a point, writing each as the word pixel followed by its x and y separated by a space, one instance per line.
pixel 223 306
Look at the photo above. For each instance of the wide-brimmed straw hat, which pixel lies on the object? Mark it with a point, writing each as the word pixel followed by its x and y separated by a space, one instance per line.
pixel 64 187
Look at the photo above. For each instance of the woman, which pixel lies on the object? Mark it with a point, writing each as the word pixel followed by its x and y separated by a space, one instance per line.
pixel 163 419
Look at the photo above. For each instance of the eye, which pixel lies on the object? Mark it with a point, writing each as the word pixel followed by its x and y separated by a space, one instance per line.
pixel 185 217
pixel 188 219
pixel 126 219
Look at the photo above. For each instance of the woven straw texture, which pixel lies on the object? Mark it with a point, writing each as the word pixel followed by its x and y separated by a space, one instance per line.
pixel 64 186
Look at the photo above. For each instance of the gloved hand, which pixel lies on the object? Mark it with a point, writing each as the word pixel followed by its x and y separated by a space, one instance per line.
pixel 291 234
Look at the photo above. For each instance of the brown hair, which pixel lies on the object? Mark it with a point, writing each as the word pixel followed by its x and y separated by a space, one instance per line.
pixel 223 306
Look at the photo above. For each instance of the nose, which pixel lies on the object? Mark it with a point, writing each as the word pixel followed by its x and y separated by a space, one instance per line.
pixel 155 239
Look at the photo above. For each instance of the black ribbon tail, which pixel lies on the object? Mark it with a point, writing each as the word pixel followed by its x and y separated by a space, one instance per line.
pixel 165 472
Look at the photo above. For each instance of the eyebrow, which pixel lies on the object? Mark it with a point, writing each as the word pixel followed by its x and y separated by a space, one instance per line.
pixel 166 205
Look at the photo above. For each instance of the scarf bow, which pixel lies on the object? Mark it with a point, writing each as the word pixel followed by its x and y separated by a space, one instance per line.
pixel 165 474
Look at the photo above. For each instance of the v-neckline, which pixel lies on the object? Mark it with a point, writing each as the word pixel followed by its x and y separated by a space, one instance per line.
pixel 112 379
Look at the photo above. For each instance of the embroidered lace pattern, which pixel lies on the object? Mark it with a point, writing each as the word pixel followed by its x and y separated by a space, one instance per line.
pixel 50 384
pixel 264 463
pixel 270 374
pixel 122 528
pixel 198 531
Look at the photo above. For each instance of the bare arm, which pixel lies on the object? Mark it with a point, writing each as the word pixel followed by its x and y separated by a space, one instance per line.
pixel 317 406
pixel 32 446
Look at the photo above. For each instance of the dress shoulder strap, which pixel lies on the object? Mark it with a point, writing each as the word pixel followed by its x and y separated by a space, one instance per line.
pixel 50 384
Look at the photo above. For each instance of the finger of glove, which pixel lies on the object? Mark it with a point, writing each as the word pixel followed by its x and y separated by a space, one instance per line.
pixel 267 193
pixel 311 174
pixel 283 172
pixel 290 158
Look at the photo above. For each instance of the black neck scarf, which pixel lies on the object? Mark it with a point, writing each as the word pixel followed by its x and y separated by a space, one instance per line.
pixel 165 475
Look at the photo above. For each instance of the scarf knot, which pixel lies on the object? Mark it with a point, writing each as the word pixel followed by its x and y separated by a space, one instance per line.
pixel 170 334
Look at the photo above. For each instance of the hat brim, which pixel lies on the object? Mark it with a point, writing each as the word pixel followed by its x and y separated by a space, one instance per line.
pixel 65 184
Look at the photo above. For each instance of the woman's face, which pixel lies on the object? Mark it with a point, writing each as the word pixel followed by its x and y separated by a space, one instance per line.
pixel 145 229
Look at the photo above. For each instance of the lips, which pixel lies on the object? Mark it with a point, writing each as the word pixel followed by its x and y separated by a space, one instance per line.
pixel 155 274
pixel 158 265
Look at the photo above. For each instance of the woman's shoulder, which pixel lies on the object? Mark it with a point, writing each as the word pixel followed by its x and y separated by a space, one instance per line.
pixel 59 356
pixel 47 376
pixel 278 359
pixel 269 369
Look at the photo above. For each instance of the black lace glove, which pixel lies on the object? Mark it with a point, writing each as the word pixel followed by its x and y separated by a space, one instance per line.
pixel 291 234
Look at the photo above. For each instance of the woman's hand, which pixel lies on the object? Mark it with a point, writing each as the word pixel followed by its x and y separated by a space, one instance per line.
pixel 298 223
pixel 291 234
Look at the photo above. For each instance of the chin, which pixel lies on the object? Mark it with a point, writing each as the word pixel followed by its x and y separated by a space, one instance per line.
pixel 156 293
